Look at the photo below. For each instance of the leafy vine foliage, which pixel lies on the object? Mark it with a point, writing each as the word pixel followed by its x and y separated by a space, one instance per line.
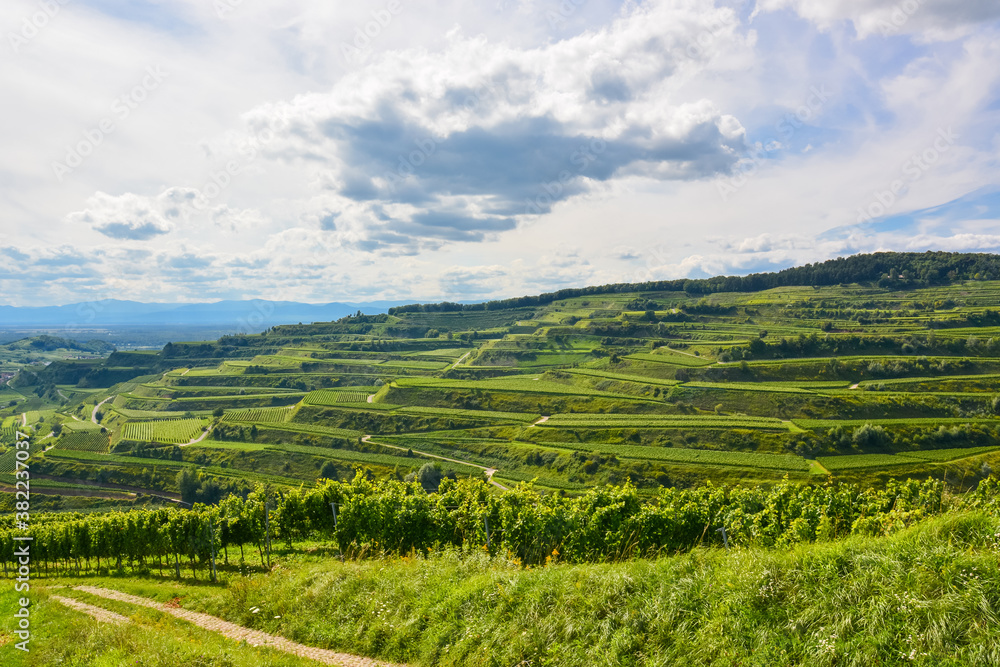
pixel 384 518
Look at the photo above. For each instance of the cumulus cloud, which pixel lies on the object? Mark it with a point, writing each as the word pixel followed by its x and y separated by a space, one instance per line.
pixel 132 217
pixel 127 217
pixel 481 150
pixel 459 144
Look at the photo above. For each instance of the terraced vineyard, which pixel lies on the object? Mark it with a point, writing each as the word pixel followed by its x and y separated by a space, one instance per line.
pixel 673 358
pixel 8 436
pixel 86 441
pixel 661 421
pixel 792 468
pixel 706 457
pixel 174 431
pixel 333 397
pixel 853 462
pixel 660 384
pixel 259 415
pixel 945 455
pixel 518 417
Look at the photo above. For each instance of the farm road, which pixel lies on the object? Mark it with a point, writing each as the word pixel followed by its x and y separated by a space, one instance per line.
pixel 93 416
pixel 489 471
pixel 102 615
pixel 240 633
pixel 461 359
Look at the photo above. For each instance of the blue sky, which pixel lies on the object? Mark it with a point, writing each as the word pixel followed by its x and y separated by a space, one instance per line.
pixel 181 150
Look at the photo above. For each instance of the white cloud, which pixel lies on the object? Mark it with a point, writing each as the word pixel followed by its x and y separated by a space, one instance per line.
pixel 458 144
pixel 551 153
pixel 931 19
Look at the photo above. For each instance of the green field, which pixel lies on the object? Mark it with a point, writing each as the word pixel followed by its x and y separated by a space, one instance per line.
pixel 661 421
pixel 174 431
pixel 87 441
pixel 259 415
pixel 849 462
pixel 472 414
pixel 672 358
pixel 333 397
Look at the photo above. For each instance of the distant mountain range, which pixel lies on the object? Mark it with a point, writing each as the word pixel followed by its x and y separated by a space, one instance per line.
pixel 254 315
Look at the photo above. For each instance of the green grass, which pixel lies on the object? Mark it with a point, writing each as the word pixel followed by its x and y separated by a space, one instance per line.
pixel 672 358
pixel 814 424
pixel 311 429
pixel 706 457
pixel 776 387
pixel 579 420
pixel 944 455
pixel 64 636
pixel 924 596
pixel 517 417
pixel 855 461
pixel 531 384
pixel 638 379
pixel 385 460
pixel 81 426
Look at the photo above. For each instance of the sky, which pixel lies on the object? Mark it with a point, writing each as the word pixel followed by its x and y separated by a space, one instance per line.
pixel 420 150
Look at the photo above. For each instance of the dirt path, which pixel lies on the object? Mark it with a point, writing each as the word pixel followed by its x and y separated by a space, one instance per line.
pixel 489 476
pixel 541 420
pixel 854 386
pixel 240 633
pixel 102 615
pixel 371 398
pixel 460 360
pixel 24 419
pixel 197 440
pixel 489 471
pixel 93 416
pixel 62 395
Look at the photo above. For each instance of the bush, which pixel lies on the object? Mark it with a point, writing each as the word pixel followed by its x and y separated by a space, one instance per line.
pixel 869 436
pixel 429 476
pixel 328 471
